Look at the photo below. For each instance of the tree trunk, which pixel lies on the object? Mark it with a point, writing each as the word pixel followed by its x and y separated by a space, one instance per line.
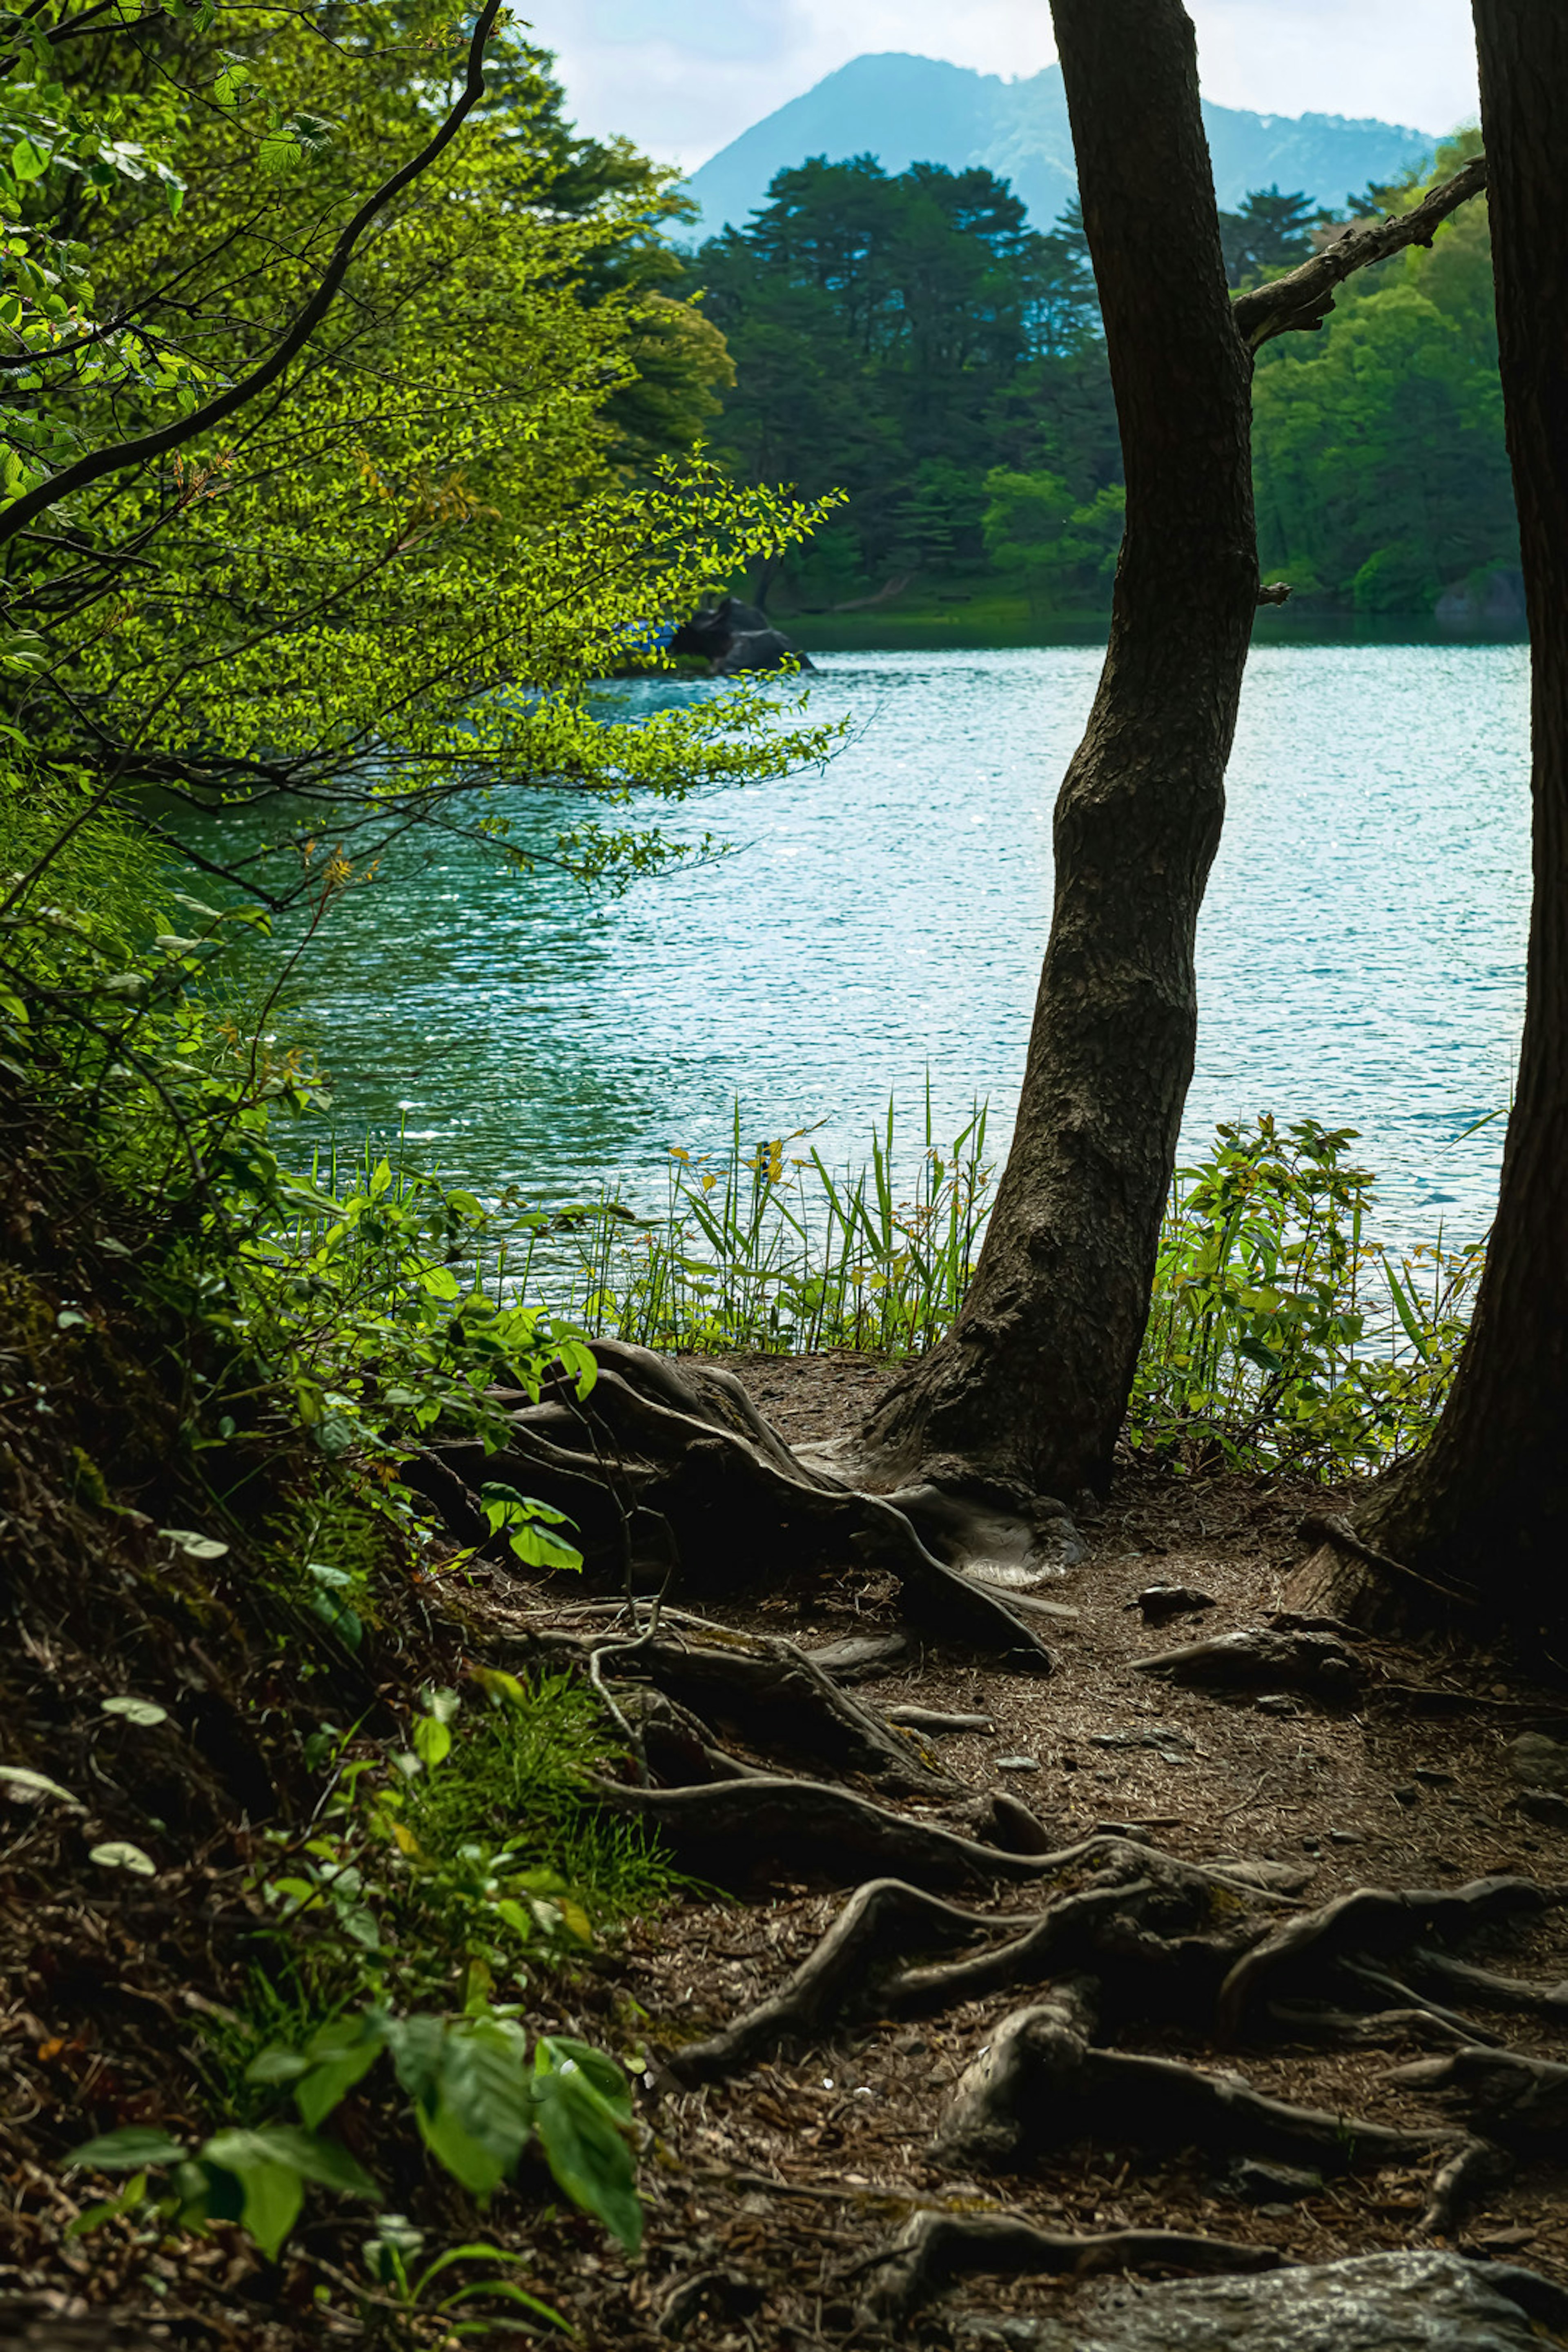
pixel 1032 1383
pixel 1483 1512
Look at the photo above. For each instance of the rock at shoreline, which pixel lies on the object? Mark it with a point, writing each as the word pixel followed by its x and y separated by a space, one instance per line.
pixel 731 637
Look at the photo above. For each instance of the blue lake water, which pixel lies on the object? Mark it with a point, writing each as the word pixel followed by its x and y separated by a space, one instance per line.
pixel 1360 951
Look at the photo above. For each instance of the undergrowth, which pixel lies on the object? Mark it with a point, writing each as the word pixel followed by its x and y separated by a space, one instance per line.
pixel 1282 1335
pixel 240 1685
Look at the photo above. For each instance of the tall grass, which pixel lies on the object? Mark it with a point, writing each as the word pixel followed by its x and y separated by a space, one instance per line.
pixel 1281 1335
pixel 767 1248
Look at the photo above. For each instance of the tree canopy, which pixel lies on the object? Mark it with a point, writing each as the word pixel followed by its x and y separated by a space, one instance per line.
pixel 915 339
pixel 393 577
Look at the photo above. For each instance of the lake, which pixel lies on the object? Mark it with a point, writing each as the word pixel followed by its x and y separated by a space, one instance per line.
pixel 1360 951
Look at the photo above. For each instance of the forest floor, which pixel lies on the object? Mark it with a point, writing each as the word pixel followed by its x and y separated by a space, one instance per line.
pixel 764 2194
pixel 773 2194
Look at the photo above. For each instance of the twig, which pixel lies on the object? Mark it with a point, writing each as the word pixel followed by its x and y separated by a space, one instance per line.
pixel 1231 1810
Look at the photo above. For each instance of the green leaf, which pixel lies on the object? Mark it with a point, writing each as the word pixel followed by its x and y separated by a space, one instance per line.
pixel 272 2168
pixel 585 2148
pixel 28 160
pixel 143 1711
pixel 270 2196
pixel 93 2217
pixel 338 2061
pixel 480 2117
pixel 493 1491
pixel 120 1855
pixel 539 1548
pixel 432 1742
pixel 417 2044
pixel 130 2149
pixel 504 1689
pixel 30 1783
pixel 193 1546
pixel 600 2069
pixel 276 2065
pixel 508 2291
pixel 325 2161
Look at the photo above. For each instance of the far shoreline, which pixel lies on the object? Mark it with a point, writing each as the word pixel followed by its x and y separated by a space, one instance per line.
pixel 953 629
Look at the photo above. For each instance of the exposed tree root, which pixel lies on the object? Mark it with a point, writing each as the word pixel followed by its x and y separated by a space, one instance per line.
pixel 1474 2167
pixel 1102 1926
pixel 864 1943
pixel 1368 1922
pixel 1492 1992
pixel 1262 1657
pixel 1385 1987
pixel 768 1694
pixel 1515 2097
pixel 677 1484
pixel 933 2249
pixel 743 1834
pixel 1153 1937
pixel 670 1471
pixel 1372 2029
pixel 1040 2084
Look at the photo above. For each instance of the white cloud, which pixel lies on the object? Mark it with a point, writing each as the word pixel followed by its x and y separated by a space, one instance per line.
pixel 684 83
pixel 1404 60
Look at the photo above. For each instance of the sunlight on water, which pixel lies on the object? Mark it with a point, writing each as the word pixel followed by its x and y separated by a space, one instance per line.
pixel 1360 951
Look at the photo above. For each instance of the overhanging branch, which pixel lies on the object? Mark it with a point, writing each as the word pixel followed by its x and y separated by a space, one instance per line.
pixel 1303 298
pixel 120 455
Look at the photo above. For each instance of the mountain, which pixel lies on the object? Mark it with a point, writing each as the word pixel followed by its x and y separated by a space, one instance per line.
pixel 908 110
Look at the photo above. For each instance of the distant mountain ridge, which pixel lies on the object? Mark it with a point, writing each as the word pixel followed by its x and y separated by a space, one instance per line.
pixel 906 110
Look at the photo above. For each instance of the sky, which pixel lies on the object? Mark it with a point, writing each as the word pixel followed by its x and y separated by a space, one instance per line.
pixel 683 82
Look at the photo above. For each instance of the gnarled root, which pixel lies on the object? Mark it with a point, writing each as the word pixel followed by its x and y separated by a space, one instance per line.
pixel 853 1966
pixel 1519 2098
pixel 1040 2083
pixel 766 1692
pixel 741 1833
pixel 934 2248
pixel 1368 1924
pixel 1474 2167
pixel 671 1471
pixel 878 1922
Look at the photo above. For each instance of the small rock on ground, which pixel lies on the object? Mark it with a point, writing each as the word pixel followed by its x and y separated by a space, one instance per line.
pixel 1539 1762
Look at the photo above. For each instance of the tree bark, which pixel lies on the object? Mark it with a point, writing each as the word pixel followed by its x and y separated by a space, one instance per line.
pixel 1032 1383
pixel 1481 1516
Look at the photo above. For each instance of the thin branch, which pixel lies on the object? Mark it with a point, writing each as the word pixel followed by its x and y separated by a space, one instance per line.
pixel 1303 298
pixel 121 455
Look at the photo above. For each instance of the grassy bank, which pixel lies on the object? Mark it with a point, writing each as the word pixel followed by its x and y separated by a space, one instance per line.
pixel 1281 1335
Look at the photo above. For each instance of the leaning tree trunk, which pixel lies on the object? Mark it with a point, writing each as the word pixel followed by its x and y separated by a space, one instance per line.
pixel 1481 1516
pixel 1032 1383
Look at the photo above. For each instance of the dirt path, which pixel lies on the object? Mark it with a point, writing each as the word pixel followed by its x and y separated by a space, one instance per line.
pixel 771 2193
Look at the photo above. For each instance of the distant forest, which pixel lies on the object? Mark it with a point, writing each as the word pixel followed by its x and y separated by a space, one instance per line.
pixel 915 341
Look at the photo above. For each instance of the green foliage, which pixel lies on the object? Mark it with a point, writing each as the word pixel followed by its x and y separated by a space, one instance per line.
pixel 1059 549
pixel 903 337
pixel 385 591
pixel 1378 445
pixel 770 1249
pixel 520 1769
pixel 478 2096
pixel 429 2293
pixel 945 365
pixel 396 1895
pixel 1281 1335
pixel 461 1859
pixel 354 1292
